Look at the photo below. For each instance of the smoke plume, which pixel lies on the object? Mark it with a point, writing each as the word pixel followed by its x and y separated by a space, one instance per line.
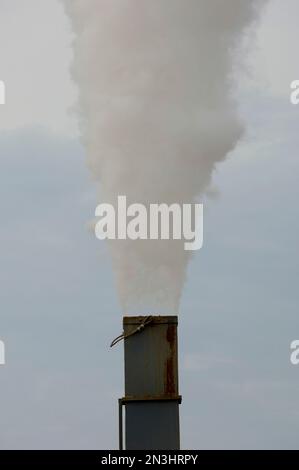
pixel 157 115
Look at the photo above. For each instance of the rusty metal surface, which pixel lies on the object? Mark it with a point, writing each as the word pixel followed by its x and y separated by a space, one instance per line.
pixel 157 319
pixel 126 400
pixel 151 359
pixel 151 383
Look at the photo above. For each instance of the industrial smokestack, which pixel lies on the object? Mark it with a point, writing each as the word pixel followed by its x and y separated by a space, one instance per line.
pixel 158 114
pixel 152 397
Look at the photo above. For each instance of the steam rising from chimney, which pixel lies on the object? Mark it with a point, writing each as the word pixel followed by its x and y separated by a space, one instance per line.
pixel 157 115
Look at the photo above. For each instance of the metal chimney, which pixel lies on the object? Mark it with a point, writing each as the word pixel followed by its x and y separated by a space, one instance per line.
pixel 151 384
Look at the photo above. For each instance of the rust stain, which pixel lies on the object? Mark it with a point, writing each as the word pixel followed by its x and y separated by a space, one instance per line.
pixel 170 386
pixel 170 335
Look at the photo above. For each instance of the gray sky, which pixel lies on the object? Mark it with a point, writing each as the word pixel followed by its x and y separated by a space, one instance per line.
pixel 58 302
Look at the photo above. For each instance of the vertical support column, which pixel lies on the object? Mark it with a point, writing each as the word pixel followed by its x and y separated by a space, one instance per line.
pixel 151 383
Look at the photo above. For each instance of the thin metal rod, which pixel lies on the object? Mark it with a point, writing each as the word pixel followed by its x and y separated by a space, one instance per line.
pixel 120 423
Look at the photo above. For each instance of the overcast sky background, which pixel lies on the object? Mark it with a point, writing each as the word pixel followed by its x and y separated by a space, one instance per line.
pixel 58 304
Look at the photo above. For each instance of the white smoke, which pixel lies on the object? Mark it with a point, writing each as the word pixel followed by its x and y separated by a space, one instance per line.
pixel 157 115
